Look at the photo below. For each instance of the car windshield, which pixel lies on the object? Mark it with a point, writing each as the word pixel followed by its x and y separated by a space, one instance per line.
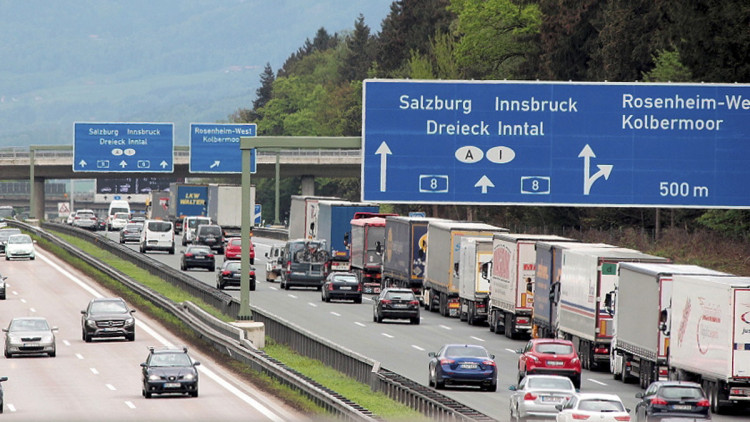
pixel 235 242
pixel 198 249
pixel 463 351
pixel 122 215
pixel 133 227
pixel 19 239
pixel 85 214
pixel 170 359
pixel 195 222
pixel 159 226
pixel 400 296
pixel 345 279
pixel 550 383
pixel 108 307
pixel 5 234
pixel 554 348
pixel 680 392
pixel 116 210
pixel 601 405
pixel 233 266
pixel 211 231
pixel 28 325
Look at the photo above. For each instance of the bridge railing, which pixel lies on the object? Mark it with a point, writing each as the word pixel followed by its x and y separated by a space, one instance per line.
pixel 14 153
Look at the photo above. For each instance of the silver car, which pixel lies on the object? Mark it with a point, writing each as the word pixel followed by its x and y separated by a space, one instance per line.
pixel 537 395
pixel 29 336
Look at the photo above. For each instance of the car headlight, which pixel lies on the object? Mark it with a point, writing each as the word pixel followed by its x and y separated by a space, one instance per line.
pixel 189 377
pixel 48 339
pixel 14 340
pixel 129 321
pixel 154 377
pixel 91 323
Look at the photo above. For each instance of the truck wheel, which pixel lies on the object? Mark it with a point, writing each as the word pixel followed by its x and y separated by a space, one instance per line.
pixel 509 329
pixel 470 314
pixel 462 316
pixel 491 321
pixel 443 305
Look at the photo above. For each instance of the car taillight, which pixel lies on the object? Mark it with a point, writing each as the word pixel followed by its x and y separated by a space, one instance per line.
pixel 529 396
pixel 580 417
pixel 622 418
pixel 601 350
pixel 210 255
pixel 414 302
pixel 488 363
pixel 189 254
pixel 385 301
pixel 359 287
pixel 330 287
pixel 703 403
pixel 522 320
pixel 225 272
pixel 658 401
pixel 252 273
pixel 445 361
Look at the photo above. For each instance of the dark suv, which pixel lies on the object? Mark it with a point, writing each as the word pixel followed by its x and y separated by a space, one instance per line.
pixel 210 235
pixel 107 317
pixel 169 371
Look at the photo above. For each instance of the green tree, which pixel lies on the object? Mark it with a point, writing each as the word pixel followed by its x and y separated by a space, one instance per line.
pixel 265 90
pixel 668 68
pixel 360 53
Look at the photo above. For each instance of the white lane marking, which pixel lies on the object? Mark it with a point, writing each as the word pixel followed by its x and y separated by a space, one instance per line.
pixel 596 382
pixel 23 300
pixel 15 292
pixel 367 298
pixel 32 310
pixel 273 288
pixel 11 407
pixel 445 327
pixel 232 389
pixel 292 296
pixel 79 356
pixel 94 371
pixel 66 342
pixel 477 338
pixel 130 404
pixel 386 335
pixel 312 304
pixel 110 386
pixel 360 324
pixel 417 347
pixel 511 350
pixel 335 314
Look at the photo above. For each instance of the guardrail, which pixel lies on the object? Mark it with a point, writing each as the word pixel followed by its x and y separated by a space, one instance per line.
pixel 415 395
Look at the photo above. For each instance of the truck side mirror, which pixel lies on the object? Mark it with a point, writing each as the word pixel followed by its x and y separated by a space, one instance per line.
pixel 455 269
pixel 378 248
pixel 608 303
pixel 554 292
pixel 486 268
pixel 346 239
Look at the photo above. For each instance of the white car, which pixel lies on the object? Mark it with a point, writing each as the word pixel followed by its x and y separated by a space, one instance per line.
pixel 597 407
pixel 119 220
pixel 71 218
pixel 20 246
pixel 537 395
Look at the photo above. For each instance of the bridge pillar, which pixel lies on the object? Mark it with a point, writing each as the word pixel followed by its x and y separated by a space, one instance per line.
pixel 38 192
pixel 308 185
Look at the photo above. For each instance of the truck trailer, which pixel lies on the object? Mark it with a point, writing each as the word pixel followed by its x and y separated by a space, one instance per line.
pixel 441 282
pixel 641 313
pixel 157 205
pixel 225 207
pixel 587 276
pixel 303 216
pixel 334 227
pixel 186 199
pixel 473 285
pixel 366 251
pixel 512 273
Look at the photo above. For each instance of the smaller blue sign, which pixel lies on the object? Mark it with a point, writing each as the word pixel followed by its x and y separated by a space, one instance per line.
pixel 123 147
pixel 417 214
pixel 257 215
pixel 215 148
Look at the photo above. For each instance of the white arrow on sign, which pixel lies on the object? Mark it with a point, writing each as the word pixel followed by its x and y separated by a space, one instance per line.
pixel 82 163
pixel 484 183
pixel 123 164
pixel 384 152
pixel 588 180
pixel 215 164
pixel 163 164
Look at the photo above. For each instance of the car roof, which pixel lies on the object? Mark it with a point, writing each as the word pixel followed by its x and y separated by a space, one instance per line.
pixel 550 340
pixel 397 290
pixel 107 299
pixel 464 345
pixel 677 383
pixel 30 318
pixel 605 396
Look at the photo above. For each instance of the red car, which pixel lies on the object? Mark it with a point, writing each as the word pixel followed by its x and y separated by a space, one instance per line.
pixel 549 356
pixel 234 247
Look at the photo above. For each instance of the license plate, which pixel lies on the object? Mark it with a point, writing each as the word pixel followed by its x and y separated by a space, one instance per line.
pixel 345 288
pixel 31 345
pixel 469 366
pixel 550 399
pixel 399 305
pixel 554 363
pixel 172 385
pixel 682 407
pixel 110 329
pixel 200 257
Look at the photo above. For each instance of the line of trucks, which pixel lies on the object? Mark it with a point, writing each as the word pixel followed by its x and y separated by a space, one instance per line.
pixel 638 315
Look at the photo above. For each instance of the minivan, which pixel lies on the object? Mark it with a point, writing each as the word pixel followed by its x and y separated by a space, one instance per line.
pixel 210 235
pixel 157 235
pixel 189 225
pixel 302 264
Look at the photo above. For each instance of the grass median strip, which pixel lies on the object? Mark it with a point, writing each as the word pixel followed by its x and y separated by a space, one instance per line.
pixel 378 403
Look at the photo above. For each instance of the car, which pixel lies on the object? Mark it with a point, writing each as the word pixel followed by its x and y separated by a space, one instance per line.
pixel 7 212
pixel 85 219
pixel 303 264
pixel 234 247
pixel 70 218
pixel 157 235
pixel 3 286
pixel 20 246
pixel 5 234
pixel 210 235
pixel 131 233
pixel 393 303
pixel 117 206
pixel 597 407
pixel 230 275
pixel 118 220
pixel 137 219
pixel 341 285
pixel 672 399
pixel 462 364
pixel 2 399
pixel 537 395
pixel 169 371
pixel 551 357
pixel 29 336
pixel 197 256
pixel 107 317
pixel 189 225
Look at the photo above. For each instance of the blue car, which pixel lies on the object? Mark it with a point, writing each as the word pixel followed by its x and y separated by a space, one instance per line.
pixel 463 364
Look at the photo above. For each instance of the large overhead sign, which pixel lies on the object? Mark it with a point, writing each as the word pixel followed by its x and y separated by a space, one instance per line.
pixel 536 143
pixel 215 148
pixel 123 147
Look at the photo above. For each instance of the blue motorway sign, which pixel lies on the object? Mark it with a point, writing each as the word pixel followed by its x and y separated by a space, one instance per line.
pixel 215 147
pixel 257 215
pixel 123 147
pixel 537 143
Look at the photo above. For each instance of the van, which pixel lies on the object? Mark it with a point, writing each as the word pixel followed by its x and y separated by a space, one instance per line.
pixel 303 263
pixel 157 235
pixel 210 235
pixel 116 206
pixel 189 225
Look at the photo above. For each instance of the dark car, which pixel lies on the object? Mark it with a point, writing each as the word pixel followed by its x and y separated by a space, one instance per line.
pixel 210 235
pixel 549 357
pixel 339 285
pixel 4 235
pixel 169 371
pixel 131 233
pixel 2 399
pixel 396 304
pixel 107 317
pixel 138 219
pixel 303 263
pixel 197 256
pixel 230 275
pixel 2 286
pixel 463 364
pixel 672 399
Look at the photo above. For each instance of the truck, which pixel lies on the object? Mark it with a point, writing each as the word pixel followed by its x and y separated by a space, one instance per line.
pixel 303 215
pixel 511 276
pixel 405 253
pixel 186 199
pixel 587 276
pixel 641 312
pixel 473 285
pixel 334 227
pixel 441 282
pixel 366 251
pixel 157 205
pixel 710 336
pixel 547 285
pixel 225 207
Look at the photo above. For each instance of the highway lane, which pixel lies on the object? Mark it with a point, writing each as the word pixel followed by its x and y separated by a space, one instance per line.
pixel 102 380
pixel 399 346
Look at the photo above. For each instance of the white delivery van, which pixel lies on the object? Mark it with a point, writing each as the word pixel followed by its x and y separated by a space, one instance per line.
pixel 116 206
pixel 157 235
